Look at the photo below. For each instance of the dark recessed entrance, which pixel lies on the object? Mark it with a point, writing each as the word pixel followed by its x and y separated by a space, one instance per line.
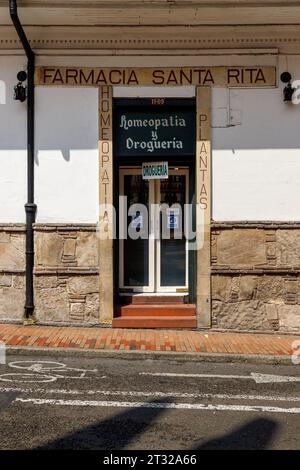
pixel 154 266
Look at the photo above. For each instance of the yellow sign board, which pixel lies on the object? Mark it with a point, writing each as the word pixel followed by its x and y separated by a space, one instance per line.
pixel 246 76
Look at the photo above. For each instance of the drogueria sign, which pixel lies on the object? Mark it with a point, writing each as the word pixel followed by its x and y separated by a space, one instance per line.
pixel 156 170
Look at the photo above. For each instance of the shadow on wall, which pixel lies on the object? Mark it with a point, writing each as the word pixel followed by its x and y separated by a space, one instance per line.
pixel 66 121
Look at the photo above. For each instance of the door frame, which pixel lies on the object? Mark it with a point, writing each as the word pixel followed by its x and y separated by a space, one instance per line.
pixel 188 161
pixel 154 252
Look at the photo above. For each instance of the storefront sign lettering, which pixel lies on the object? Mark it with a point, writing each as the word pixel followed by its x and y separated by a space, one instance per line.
pixel 155 123
pixel 105 153
pixel 157 170
pixel 203 154
pixel 158 132
pixel 256 76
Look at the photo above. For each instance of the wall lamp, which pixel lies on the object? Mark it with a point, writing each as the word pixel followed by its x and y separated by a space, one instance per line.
pixel 288 90
pixel 20 92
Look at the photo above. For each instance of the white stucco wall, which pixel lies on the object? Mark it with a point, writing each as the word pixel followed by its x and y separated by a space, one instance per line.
pixel 13 144
pixel 66 164
pixel 256 162
pixel 66 174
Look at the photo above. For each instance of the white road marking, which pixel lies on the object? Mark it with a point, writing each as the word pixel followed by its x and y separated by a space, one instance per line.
pixel 268 378
pixel 38 378
pixel 40 366
pixel 44 371
pixel 37 365
pixel 27 378
pixel 125 393
pixel 258 378
pixel 216 376
pixel 176 406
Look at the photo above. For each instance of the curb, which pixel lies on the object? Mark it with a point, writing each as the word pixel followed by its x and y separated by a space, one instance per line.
pixel 154 355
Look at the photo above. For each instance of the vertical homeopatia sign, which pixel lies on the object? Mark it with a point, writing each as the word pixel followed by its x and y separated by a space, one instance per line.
pixel 203 205
pixel 106 220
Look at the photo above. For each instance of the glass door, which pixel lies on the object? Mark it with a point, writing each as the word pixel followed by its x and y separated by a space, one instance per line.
pixel 136 267
pixel 153 254
pixel 171 252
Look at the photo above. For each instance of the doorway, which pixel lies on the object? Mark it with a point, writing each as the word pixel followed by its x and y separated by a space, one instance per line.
pixel 153 248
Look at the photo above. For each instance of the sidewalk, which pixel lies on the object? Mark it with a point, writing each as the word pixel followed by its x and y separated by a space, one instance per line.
pixel 199 343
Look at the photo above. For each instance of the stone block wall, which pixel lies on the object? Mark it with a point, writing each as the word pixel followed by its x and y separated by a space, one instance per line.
pixel 12 271
pixel 256 277
pixel 66 274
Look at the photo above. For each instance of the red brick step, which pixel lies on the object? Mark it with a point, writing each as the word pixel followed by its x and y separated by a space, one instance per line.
pixel 153 299
pixel 155 322
pixel 162 299
pixel 157 310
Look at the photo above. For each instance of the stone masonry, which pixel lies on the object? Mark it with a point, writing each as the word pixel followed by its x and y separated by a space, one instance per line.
pixel 66 274
pixel 255 275
pixel 12 270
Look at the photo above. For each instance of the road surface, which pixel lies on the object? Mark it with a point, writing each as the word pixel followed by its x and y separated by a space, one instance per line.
pixel 52 402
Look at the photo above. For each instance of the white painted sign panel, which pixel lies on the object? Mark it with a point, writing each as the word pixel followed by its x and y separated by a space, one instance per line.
pixel 155 171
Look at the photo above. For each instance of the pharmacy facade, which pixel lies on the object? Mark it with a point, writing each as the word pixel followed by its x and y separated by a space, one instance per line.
pixel 137 113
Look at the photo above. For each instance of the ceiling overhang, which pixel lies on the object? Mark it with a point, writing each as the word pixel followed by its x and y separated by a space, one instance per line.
pixel 115 25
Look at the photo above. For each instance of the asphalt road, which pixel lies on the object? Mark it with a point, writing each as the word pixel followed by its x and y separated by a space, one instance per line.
pixel 100 403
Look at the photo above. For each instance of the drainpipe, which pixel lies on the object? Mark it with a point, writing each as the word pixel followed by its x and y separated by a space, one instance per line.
pixel 30 207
